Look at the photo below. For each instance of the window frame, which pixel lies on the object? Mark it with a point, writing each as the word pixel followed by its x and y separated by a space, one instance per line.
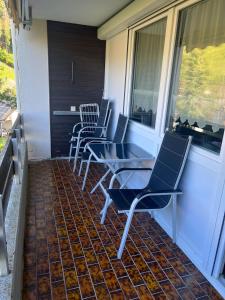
pixel 172 14
pixel 130 65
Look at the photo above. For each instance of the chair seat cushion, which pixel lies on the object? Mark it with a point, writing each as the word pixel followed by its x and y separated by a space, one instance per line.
pixel 123 199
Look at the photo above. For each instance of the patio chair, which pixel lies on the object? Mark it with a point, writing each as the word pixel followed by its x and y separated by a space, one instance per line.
pixel 83 130
pixel 118 138
pixel 161 190
pixel 89 113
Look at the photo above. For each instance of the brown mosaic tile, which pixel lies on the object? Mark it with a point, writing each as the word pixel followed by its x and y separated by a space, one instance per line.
pixel 174 278
pixel 30 293
pixel 77 250
pixel 67 260
pixel 86 287
pixel 96 274
pixel 56 271
pixel 43 285
pixel 29 278
pixel 140 264
pixel 151 283
pixel 58 290
pixel 127 288
pixel 143 293
pixel 42 265
pixel 102 292
pixel 134 275
pixel 73 294
pixel 90 257
pixel 104 262
pixel 71 279
pixel 117 295
pixel 111 281
pixel 169 290
pixel 64 244
pixel 68 254
pixel 119 268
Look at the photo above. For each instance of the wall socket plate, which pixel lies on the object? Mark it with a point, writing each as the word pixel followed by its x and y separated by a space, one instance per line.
pixel 72 108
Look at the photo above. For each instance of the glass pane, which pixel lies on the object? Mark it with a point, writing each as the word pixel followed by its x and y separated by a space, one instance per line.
pixel 149 45
pixel 197 94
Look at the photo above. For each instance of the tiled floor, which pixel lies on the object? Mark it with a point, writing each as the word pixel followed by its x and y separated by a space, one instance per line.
pixel 69 255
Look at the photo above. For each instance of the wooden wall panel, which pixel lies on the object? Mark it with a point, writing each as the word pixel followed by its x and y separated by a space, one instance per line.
pixel 77 44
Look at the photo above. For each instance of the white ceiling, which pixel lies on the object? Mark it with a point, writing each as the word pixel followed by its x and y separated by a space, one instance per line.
pixel 85 12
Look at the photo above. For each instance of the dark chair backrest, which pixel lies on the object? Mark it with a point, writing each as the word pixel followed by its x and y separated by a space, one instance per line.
pixel 169 164
pixel 120 129
pixel 102 119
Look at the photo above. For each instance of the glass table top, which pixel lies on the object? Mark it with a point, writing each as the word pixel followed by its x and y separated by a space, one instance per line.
pixel 119 152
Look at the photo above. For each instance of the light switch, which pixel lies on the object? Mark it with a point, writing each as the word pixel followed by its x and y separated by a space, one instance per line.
pixel 72 108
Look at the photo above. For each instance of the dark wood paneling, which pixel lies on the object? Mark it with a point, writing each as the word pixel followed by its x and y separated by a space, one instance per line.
pixel 69 43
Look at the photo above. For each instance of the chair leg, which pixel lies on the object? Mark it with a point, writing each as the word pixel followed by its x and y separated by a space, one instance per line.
pixel 174 218
pixel 100 181
pixel 76 155
pixel 70 152
pixel 86 172
pixel 108 201
pixel 125 233
pixel 81 165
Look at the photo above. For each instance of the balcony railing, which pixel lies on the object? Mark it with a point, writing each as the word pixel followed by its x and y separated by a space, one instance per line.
pixel 13 164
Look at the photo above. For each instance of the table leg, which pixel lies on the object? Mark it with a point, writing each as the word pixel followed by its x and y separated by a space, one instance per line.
pixel 99 183
pixel 86 172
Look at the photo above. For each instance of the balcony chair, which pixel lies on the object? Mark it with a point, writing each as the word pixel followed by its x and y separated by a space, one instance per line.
pixel 118 138
pixel 161 190
pixel 89 113
pixel 84 130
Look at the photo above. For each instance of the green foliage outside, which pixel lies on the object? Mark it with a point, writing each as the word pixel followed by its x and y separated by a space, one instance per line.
pixel 2 142
pixel 201 91
pixel 7 76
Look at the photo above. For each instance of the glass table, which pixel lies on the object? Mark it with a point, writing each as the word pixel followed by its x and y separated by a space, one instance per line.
pixel 112 155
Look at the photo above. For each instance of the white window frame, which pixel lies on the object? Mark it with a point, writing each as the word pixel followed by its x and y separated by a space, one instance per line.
pixel 130 61
pixel 172 15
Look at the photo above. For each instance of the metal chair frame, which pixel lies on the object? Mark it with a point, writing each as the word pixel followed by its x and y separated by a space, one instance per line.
pixel 146 192
pixel 86 128
pixel 83 140
pixel 89 113
pixel 110 169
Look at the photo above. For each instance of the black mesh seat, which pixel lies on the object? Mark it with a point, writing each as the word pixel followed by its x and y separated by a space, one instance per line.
pixel 162 188
pixel 123 199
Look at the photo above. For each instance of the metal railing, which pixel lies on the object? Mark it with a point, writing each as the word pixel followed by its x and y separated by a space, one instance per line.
pixel 12 159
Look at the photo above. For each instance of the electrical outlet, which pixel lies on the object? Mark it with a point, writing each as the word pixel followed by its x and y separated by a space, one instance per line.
pixel 72 108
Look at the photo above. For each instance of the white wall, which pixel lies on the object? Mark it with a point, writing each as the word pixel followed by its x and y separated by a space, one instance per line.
pixel 202 180
pixel 31 63
pixel 116 52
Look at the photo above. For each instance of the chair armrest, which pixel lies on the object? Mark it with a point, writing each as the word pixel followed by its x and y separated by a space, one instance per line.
pixel 83 123
pixel 96 141
pixel 145 193
pixel 131 169
pixel 92 127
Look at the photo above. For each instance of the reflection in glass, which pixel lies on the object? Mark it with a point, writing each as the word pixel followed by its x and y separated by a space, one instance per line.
pixel 197 93
pixel 149 45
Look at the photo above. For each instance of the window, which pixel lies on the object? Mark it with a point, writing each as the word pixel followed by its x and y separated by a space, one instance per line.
pixel 197 91
pixel 148 56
